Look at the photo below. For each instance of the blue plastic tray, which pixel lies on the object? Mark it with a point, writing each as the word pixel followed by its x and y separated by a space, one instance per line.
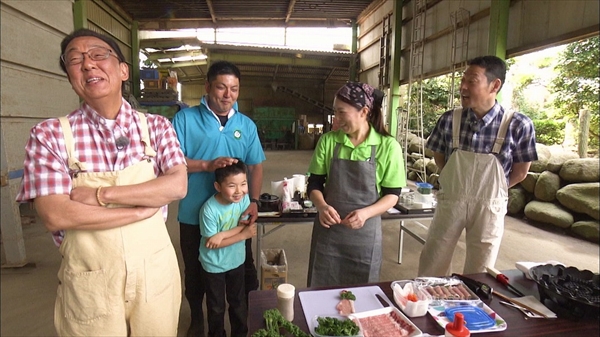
pixel 475 317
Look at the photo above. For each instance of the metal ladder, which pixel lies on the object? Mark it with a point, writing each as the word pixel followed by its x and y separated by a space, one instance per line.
pixel 411 120
pixel 384 52
pixel 460 20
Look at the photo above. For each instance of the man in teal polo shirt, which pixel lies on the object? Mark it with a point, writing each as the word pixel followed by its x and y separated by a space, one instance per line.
pixel 212 135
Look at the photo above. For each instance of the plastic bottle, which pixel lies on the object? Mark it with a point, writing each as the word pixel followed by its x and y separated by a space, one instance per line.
pixel 285 300
pixel 286 198
pixel 457 328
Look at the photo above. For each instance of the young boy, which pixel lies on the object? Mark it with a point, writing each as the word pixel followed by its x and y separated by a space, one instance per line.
pixel 222 250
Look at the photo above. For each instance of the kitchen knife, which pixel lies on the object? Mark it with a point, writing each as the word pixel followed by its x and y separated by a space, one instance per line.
pixel 383 301
pixel 495 273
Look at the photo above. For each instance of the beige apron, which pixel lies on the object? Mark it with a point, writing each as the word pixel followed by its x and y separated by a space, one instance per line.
pixel 122 281
pixel 474 196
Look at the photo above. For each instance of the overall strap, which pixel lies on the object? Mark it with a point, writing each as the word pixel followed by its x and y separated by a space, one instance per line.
pixel 74 164
pixel 456 127
pixel 148 150
pixel 502 131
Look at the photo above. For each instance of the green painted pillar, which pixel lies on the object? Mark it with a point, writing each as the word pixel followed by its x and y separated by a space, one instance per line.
pixel 394 100
pixel 498 33
pixel 499 10
pixel 354 49
pixel 135 59
pixel 80 14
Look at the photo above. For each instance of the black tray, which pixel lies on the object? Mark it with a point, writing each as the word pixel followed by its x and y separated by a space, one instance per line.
pixel 303 213
pixel 413 209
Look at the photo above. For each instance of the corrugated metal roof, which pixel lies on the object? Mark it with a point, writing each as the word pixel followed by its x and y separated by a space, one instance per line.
pixel 274 62
pixel 230 13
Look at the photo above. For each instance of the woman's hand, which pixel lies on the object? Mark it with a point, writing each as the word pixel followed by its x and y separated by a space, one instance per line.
pixel 328 216
pixel 356 219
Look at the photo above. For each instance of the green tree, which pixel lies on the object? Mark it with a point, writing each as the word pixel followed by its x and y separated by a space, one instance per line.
pixel 577 84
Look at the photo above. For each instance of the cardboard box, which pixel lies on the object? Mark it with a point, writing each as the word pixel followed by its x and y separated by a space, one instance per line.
pixel 273 264
pixel 151 84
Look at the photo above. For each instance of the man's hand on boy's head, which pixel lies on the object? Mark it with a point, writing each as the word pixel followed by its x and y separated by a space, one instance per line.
pixel 220 163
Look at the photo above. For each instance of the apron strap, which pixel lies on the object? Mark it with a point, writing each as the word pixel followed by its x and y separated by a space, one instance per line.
pixel 373 151
pixel 336 150
pixel 502 131
pixel 74 164
pixel 456 127
pixel 148 150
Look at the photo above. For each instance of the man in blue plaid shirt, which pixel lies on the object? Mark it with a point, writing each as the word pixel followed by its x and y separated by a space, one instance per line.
pixel 482 149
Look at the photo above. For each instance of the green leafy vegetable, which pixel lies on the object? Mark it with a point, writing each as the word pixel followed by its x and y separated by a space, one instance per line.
pixel 331 326
pixel 275 322
pixel 347 295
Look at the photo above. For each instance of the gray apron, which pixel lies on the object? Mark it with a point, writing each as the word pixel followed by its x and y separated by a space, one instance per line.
pixel 340 255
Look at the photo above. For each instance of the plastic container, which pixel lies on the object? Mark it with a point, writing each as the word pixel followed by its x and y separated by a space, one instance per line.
pixel 401 290
pixel 424 188
pixel 149 74
pixel 473 317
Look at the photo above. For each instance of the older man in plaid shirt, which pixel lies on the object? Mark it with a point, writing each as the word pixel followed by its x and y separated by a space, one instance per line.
pixel 482 150
pixel 98 178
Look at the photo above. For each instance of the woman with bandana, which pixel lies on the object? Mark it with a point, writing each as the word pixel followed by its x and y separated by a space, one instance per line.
pixel 356 174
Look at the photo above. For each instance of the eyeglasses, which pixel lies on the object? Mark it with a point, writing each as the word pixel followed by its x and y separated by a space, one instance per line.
pixel 95 54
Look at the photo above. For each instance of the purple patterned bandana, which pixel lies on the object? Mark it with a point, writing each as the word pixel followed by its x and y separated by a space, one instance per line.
pixel 358 93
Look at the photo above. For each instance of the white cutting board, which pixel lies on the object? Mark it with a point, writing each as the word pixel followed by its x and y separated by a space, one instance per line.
pixel 323 302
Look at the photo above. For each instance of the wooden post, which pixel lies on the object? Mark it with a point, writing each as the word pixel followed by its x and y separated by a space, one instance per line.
pixel 584 130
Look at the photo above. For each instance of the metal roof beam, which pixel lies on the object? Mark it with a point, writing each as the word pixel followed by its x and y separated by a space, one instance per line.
pixel 290 10
pixel 211 10
pixel 174 54
pixel 163 24
pixel 166 65
pixel 280 60
pixel 169 43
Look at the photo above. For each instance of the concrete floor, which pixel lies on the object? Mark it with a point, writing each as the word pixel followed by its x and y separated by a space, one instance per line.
pixel 27 294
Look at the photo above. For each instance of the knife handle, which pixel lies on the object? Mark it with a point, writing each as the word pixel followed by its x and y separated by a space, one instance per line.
pixel 383 301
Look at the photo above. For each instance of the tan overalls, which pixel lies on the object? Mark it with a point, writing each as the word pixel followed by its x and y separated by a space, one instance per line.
pixel 474 196
pixel 123 281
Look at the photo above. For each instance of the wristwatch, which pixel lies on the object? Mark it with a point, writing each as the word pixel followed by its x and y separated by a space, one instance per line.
pixel 255 201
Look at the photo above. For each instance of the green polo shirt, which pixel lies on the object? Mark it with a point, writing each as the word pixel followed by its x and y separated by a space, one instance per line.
pixel 388 155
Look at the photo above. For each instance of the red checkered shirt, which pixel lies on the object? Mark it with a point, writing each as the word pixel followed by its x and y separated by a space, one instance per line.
pixel 46 170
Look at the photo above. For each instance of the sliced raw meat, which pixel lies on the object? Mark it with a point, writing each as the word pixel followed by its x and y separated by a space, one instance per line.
pixel 389 324
pixel 345 307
